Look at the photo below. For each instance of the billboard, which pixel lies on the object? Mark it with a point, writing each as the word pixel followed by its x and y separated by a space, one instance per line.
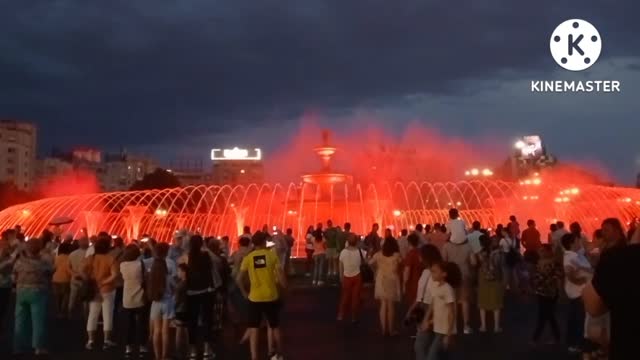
pixel 530 147
pixel 236 154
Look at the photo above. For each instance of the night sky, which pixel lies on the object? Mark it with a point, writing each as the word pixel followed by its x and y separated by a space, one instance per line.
pixel 175 78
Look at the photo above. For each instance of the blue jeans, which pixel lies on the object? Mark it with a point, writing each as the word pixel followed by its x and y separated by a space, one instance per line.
pixel 31 306
pixel 575 323
pixel 429 346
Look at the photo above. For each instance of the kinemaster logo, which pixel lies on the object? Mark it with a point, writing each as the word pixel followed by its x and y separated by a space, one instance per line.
pixel 575 45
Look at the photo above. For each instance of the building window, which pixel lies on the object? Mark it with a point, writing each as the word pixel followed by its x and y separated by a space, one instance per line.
pixel 11 150
pixel 10 171
pixel 10 161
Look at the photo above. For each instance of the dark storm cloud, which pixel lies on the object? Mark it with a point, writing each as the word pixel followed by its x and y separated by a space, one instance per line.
pixel 105 73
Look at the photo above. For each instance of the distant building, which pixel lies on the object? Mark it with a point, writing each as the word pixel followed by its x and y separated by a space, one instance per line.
pixel 17 153
pixel 237 166
pixel 119 173
pixel 114 172
pixel 638 181
pixel 191 173
pixel 49 168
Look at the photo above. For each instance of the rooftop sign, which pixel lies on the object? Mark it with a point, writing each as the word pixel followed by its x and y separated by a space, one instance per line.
pixel 236 154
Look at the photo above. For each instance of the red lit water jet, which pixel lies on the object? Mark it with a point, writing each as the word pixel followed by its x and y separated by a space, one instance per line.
pixel 330 194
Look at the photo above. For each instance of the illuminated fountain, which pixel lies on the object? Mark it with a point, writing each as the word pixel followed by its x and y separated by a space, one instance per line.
pixel 327 194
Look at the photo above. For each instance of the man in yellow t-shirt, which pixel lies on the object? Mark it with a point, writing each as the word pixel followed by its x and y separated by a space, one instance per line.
pixel 265 278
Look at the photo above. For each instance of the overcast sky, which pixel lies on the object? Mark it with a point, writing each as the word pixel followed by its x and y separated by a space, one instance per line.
pixel 175 78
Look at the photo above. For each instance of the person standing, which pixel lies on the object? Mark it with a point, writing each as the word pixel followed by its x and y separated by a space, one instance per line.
pixel 351 259
pixel 372 241
pixel 577 271
pixel 547 279
pixel 610 291
pixel 461 254
pixel 281 247
pixel 331 238
pixel 134 304
pixel 387 284
pixel 403 243
pixel 160 289
pixel 442 310
pixel 309 240
pixel 531 241
pixel 267 282
pixel 101 271
pixel 290 241
pixel 76 267
pixel 7 259
pixel 319 259
pixel 412 269
pixel 200 296
pixel 490 286
pixel 32 272
pixel 474 237
pixel 62 280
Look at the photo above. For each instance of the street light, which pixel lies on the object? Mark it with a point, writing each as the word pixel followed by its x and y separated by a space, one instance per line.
pixel 479 172
pixel 397 213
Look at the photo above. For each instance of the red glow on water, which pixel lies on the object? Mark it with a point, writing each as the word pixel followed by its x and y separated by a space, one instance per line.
pixel 371 152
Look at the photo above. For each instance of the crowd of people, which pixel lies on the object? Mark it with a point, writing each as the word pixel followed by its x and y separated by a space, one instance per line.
pixel 176 297
pixel 443 273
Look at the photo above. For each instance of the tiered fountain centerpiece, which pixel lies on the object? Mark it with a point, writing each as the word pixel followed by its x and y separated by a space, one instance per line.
pixel 326 177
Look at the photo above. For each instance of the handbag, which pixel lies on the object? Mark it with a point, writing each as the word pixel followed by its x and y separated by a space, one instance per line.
pixel 419 311
pixel 365 270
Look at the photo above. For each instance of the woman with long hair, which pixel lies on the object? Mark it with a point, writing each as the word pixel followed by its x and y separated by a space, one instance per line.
pixel 200 292
pixel 101 270
pixel 134 303
pixel 387 284
pixel 160 290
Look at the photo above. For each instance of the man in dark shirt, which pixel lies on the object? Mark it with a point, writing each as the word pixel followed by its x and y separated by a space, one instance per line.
pixel 614 289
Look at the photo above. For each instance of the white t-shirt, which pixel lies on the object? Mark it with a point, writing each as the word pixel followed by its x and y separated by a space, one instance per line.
pixel 351 261
pixel 440 296
pixel 423 286
pixel 574 260
pixel 458 230
pixel 507 244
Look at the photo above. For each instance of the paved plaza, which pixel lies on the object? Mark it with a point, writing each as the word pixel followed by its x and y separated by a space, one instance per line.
pixel 311 333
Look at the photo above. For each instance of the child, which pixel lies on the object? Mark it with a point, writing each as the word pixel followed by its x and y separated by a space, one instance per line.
pixel 445 276
pixel 181 317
